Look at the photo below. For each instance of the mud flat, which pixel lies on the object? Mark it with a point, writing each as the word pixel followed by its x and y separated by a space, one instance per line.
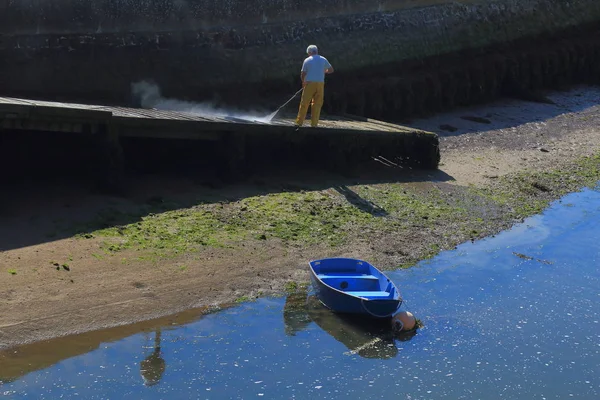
pixel 74 260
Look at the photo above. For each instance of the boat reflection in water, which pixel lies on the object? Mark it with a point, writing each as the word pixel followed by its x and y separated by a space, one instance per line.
pixel 367 337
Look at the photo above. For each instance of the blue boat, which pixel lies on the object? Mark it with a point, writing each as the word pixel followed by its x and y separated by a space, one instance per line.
pixel 347 285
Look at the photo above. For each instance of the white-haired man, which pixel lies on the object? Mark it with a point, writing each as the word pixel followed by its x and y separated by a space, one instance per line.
pixel 313 73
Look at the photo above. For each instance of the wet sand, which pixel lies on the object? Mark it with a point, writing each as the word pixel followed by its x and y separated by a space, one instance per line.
pixel 53 286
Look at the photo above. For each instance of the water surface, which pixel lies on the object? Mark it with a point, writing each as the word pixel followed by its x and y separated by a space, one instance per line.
pixel 515 316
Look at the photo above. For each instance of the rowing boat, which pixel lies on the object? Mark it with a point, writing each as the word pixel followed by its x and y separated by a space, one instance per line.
pixel 348 285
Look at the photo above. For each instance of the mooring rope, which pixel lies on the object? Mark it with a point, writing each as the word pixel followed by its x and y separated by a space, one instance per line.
pixel 364 346
pixel 362 302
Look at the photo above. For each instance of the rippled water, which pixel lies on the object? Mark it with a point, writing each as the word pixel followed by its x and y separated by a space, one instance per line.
pixel 515 316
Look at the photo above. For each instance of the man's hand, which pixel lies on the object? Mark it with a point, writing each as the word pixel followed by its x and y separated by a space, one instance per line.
pixel 329 70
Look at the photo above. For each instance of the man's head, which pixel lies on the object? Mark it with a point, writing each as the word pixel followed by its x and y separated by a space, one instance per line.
pixel 312 50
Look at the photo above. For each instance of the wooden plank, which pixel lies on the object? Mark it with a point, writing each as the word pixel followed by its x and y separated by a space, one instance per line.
pixel 8 100
pixel 157 114
pixel 54 109
pixel 169 115
pixel 124 113
pixel 187 124
pixel 395 127
pixel 189 116
pixel 145 114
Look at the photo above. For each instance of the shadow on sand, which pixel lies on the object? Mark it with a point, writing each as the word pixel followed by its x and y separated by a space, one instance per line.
pixel 52 197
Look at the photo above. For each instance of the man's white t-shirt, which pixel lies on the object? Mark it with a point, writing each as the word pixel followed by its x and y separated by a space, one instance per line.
pixel 315 67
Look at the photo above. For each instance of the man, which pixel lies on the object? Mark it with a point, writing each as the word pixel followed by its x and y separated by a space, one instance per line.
pixel 313 73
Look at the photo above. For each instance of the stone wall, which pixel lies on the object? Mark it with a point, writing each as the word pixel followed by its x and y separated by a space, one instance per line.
pixel 198 48
pixel 102 16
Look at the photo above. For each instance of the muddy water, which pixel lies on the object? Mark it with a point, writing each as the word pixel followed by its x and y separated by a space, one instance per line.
pixel 516 316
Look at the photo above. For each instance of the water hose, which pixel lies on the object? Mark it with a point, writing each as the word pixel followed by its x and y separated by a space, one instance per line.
pixel 272 115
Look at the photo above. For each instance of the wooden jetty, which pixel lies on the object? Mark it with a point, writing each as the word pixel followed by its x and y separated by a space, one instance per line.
pixel 238 145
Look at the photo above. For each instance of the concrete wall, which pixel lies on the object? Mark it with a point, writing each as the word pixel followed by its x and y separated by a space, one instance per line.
pixel 196 48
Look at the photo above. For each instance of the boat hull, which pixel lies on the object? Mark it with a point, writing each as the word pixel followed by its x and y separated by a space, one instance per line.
pixel 342 302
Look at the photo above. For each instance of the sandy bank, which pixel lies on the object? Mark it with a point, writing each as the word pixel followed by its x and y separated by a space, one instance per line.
pixel 132 261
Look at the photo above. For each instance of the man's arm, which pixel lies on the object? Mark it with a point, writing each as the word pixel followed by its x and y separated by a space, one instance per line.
pixel 303 72
pixel 329 69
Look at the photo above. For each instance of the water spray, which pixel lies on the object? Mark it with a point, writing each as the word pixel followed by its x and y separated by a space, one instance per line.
pixel 149 95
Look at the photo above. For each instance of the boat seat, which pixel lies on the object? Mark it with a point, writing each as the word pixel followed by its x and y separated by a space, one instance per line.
pixel 371 294
pixel 346 276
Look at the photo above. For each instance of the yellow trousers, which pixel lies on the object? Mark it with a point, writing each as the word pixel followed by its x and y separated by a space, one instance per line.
pixel 311 95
